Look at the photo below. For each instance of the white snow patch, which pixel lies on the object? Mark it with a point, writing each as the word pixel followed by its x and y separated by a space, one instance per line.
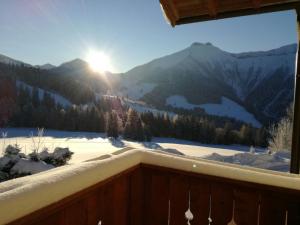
pixel 29 166
pixel 226 108
pixel 142 107
pixel 136 91
pixel 278 161
pixel 57 98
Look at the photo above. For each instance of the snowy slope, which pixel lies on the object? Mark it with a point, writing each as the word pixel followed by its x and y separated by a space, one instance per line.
pixel 226 108
pixel 58 98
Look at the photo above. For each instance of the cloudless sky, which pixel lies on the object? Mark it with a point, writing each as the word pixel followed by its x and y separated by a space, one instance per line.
pixel 132 32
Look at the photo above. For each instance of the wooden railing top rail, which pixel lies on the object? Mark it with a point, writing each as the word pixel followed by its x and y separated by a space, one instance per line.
pixel 43 189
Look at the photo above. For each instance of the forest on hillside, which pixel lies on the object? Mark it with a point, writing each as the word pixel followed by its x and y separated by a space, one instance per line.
pixel 25 108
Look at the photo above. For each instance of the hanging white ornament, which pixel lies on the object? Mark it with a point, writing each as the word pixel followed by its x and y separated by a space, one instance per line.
pixel 209 215
pixel 188 214
pixel 232 222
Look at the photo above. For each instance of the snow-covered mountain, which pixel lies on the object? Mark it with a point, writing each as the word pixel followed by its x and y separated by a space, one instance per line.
pixel 261 82
pixel 10 61
pixel 46 66
pixel 254 87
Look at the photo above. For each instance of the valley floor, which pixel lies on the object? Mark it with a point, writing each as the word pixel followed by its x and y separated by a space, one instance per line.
pixel 87 145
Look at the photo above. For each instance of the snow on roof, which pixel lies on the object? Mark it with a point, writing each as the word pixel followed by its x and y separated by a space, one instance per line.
pixel 56 184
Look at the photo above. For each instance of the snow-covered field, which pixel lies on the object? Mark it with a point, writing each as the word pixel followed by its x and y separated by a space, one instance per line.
pixel 87 146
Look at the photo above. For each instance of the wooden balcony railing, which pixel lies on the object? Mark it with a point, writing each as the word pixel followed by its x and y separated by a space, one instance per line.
pixel 150 193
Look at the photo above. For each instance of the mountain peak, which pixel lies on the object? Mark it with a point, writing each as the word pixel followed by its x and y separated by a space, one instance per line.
pixel 197 44
pixel 75 63
pixel 46 66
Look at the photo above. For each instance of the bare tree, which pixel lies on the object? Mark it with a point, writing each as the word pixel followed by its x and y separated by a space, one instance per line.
pixel 281 133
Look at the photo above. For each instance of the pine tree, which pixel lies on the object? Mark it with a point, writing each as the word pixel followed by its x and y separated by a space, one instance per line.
pixel 112 126
pixel 134 128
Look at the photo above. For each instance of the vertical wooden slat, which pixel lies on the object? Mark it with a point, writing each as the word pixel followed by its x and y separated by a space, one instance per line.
pixel 57 218
pixel 222 203
pixel 120 201
pixel 108 201
pixel 157 199
pixel 179 198
pixel 136 198
pixel 95 207
pixel 272 209
pixel 76 214
pixel 200 192
pixel 293 213
pixel 246 206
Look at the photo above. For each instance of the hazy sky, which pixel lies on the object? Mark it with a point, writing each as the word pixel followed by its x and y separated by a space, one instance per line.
pixel 132 32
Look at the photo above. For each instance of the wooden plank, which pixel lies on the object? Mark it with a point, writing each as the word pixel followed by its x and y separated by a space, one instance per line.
pixel 76 214
pixel 136 198
pixel 108 201
pixel 272 209
pixel 246 206
pixel 57 218
pixel 95 207
pixel 221 203
pixel 121 201
pixel 200 196
pixel 156 198
pixel 190 12
pixel 293 212
pixel 179 199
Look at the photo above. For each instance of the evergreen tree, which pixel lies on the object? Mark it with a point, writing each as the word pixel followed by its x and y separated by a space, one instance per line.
pixel 112 126
pixel 134 128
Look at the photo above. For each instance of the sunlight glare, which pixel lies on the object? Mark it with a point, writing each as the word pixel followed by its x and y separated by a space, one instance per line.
pixel 99 61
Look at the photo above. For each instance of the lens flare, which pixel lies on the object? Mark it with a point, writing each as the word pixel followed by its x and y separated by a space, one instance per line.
pixel 99 61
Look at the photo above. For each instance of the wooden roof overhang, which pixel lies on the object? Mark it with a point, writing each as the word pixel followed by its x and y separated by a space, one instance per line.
pixel 188 11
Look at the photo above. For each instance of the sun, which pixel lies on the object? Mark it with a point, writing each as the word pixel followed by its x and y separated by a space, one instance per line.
pixel 99 61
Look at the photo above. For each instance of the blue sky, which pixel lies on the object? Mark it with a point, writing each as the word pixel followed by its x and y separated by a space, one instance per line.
pixel 132 32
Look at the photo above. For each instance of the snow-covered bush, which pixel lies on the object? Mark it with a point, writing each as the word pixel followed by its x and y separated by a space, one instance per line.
pixel 12 150
pixel 27 167
pixel 61 156
pixel 15 164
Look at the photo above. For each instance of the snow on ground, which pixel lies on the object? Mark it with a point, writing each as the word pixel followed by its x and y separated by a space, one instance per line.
pixel 137 91
pixel 227 108
pixel 87 146
pixel 142 107
pixel 57 98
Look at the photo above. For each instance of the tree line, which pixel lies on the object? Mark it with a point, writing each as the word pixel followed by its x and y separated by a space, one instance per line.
pixel 111 116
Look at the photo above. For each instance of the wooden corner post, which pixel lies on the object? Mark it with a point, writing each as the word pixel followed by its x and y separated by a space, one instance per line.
pixel 295 155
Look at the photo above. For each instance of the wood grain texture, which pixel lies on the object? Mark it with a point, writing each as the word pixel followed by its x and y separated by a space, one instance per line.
pixel 141 197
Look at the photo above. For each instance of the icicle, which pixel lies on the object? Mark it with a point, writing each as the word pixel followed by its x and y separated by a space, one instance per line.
pixel 209 215
pixel 99 223
pixel 188 214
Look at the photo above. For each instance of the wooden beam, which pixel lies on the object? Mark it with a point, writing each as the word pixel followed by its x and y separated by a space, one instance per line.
pixel 295 155
pixel 212 7
pixel 256 3
pixel 238 13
